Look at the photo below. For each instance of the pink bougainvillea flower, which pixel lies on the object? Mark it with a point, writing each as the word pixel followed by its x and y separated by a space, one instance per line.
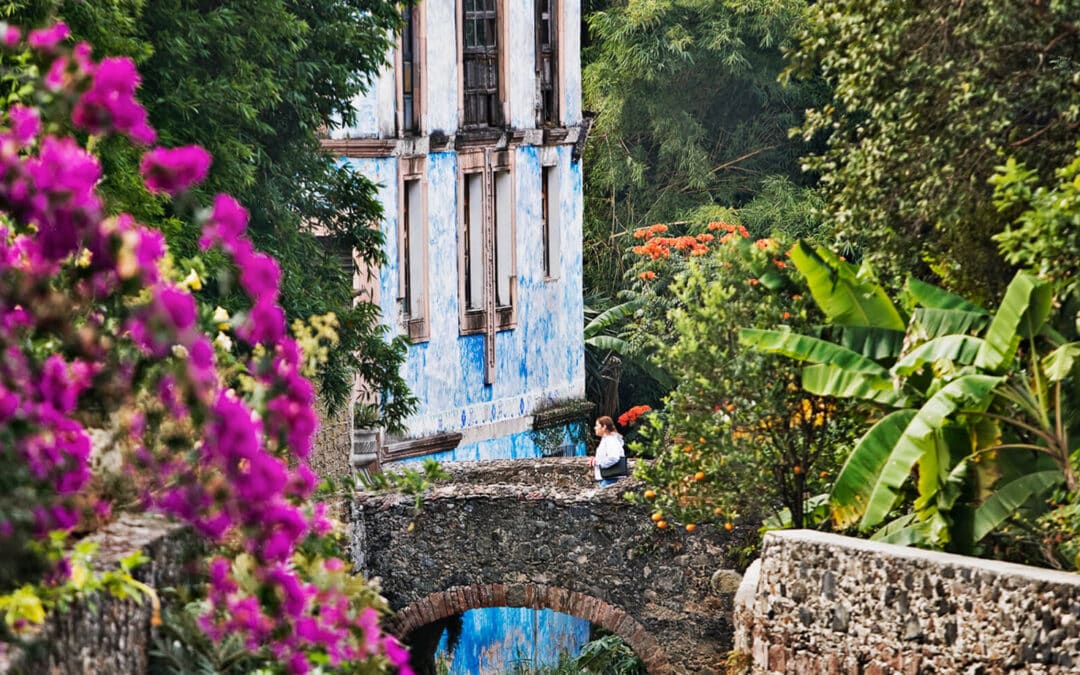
pixel 47 38
pixel 173 170
pixel 12 35
pixel 109 104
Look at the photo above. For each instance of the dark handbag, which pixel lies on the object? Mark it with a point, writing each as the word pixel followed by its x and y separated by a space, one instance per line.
pixel 615 470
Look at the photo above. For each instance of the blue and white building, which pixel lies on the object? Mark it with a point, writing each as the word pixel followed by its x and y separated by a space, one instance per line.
pixel 474 134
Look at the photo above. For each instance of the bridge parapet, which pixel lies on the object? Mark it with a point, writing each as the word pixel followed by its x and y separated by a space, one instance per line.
pixel 588 552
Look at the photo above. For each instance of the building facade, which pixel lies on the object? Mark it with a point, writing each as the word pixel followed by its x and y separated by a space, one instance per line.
pixel 473 134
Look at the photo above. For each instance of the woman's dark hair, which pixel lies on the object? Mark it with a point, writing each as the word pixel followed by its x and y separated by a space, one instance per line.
pixel 606 422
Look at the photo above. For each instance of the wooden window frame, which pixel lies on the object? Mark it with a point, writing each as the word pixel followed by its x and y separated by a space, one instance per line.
pixel 500 106
pixel 487 162
pixel 550 214
pixel 415 127
pixel 548 115
pixel 415 322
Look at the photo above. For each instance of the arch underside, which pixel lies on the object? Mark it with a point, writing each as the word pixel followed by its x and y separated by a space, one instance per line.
pixel 459 599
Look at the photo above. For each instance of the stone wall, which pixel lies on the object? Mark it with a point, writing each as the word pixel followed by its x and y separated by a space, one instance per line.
pixel 538 533
pixel 109 635
pixel 822 603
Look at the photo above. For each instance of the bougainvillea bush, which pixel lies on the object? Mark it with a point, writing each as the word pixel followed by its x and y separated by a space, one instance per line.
pixel 101 332
pixel 736 438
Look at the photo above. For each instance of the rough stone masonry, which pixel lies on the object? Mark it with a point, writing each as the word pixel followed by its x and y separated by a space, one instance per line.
pixel 822 603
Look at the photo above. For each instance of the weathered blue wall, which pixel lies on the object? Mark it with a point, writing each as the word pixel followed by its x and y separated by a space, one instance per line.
pixel 494 640
pixel 539 362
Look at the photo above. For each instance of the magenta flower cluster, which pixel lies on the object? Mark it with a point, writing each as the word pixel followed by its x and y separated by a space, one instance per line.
pixel 90 321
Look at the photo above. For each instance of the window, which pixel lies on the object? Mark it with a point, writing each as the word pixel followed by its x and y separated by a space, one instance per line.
pixel 473 241
pixel 504 242
pixel 487 276
pixel 412 250
pixel 410 71
pixel 480 64
pixel 550 234
pixel 546 61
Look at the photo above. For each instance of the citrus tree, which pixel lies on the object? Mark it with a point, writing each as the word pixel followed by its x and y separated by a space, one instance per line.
pixel 736 436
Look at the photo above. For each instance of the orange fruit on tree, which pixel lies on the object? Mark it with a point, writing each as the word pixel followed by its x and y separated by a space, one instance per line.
pixel 700 475
pixel 661 524
pixel 657 517
pixel 690 527
pixel 729 526
pixel 649 494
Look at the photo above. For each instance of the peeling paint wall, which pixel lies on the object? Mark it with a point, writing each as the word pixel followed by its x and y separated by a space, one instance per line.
pixel 439 76
pixel 539 362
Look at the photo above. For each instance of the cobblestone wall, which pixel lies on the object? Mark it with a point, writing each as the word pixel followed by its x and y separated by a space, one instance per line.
pixel 109 635
pixel 538 533
pixel 822 603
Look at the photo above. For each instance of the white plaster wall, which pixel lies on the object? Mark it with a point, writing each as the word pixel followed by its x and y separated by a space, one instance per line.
pixel 571 54
pixel 521 62
pixel 441 82
pixel 374 109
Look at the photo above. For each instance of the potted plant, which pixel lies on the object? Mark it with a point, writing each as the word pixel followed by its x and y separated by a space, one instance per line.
pixel 367 423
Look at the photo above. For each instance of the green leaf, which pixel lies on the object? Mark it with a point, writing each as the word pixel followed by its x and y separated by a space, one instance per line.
pixel 968 393
pixel 874 343
pixel 932 322
pixel 853 487
pixel 1022 313
pixel 1008 498
pixel 807 348
pixel 933 297
pixel 609 343
pixel 954 348
pixel 612 317
pixel 904 531
pixel 828 380
pixel 1059 363
pixel 842 296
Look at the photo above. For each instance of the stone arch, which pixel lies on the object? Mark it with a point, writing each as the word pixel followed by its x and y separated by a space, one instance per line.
pixel 458 599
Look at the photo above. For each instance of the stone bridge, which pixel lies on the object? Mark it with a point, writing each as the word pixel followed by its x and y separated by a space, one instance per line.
pixel 538 534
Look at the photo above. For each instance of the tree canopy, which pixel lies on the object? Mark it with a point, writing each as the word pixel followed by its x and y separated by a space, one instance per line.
pixel 254 82
pixel 928 97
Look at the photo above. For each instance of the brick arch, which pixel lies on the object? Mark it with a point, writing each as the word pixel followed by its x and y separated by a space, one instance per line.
pixel 458 599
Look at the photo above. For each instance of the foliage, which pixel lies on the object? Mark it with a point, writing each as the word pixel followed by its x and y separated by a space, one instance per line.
pixel 689 114
pixel 978 433
pixel 99 328
pixel 254 82
pixel 736 437
pixel 407 480
pixel 606 655
pixel 608 355
pixel 926 98
pixel 1045 236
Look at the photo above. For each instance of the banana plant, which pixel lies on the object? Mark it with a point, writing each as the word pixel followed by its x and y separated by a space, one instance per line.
pixel 977 427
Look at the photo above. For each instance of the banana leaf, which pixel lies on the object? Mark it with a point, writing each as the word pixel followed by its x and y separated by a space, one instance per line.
pixel 880 344
pixel 1059 363
pixel 612 316
pixel 933 322
pixel 903 531
pixel 807 348
pixel 828 380
pixel 852 489
pixel 968 393
pixel 934 297
pixel 1008 498
pixel 1022 313
pixel 955 348
pixel 842 296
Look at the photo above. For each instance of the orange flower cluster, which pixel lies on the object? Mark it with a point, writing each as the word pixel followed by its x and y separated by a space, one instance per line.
pixel 730 229
pixel 631 416
pixel 660 247
pixel 650 231
pixel 647 275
